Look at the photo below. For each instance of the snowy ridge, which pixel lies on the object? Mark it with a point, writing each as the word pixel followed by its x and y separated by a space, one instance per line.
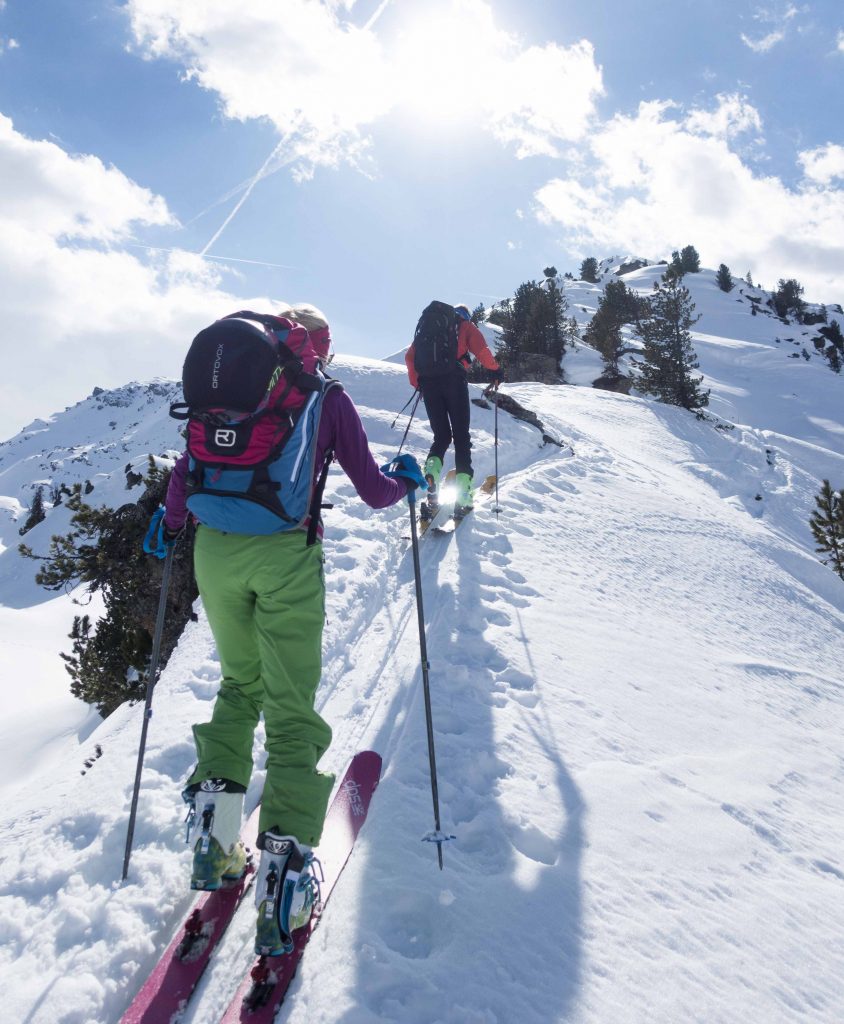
pixel 638 710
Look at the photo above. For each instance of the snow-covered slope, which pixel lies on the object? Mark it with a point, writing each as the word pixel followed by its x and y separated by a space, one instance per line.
pixel 638 710
pixel 92 443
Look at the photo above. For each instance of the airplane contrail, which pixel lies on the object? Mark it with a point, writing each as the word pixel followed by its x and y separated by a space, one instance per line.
pixel 232 192
pixel 222 259
pixel 381 8
pixel 262 170
pixel 247 193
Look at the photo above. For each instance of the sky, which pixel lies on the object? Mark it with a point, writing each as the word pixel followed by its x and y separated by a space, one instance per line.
pixel 165 162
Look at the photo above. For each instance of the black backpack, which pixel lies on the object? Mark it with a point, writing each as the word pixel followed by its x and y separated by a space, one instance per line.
pixel 435 341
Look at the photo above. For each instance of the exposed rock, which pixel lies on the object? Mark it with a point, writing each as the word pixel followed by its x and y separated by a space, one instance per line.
pixel 620 385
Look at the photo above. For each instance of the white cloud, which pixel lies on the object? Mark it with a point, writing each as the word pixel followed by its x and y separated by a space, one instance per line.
pixel 841 42
pixel 823 164
pixel 780 17
pixel 732 116
pixel 765 43
pixel 78 312
pixel 8 44
pixel 326 83
pixel 55 194
pixel 658 181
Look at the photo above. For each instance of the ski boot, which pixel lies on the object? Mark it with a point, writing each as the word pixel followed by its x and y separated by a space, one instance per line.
pixel 430 506
pixel 464 501
pixel 214 815
pixel 286 890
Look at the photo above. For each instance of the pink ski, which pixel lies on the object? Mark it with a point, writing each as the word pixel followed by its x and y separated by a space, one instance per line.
pixel 262 991
pixel 166 991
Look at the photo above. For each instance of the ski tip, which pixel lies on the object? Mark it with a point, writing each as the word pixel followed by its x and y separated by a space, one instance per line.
pixel 367 760
pixel 366 754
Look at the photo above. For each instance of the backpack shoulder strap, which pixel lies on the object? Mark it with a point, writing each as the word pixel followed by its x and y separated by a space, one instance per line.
pixel 328 383
pixel 316 500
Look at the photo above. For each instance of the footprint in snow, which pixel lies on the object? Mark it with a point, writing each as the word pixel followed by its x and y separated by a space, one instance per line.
pixel 533 843
pixel 408 928
pixel 517 680
pixel 205 689
pixel 81 830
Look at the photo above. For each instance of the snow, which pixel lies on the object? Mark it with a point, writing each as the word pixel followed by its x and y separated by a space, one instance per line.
pixel 637 700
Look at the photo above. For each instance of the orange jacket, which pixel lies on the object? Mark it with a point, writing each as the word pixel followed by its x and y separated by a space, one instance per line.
pixel 469 339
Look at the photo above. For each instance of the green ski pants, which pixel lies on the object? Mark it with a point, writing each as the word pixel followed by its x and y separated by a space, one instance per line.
pixel 265 602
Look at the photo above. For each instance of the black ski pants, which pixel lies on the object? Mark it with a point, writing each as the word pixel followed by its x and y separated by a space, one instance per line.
pixel 447 405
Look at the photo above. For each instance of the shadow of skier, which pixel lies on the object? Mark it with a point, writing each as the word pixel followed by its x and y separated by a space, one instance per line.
pixel 497 936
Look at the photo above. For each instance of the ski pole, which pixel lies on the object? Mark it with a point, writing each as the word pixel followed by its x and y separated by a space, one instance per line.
pixel 497 509
pixel 437 836
pixel 417 394
pixel 406 404
pixel 151 680
pixel 488 393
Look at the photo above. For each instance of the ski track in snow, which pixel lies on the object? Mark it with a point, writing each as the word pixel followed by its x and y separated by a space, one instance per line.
pixel 637 703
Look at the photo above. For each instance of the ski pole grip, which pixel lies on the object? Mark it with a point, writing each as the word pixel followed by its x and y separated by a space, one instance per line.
pixel 150 541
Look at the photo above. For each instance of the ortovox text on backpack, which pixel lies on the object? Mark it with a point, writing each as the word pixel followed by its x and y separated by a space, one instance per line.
pixel 253 400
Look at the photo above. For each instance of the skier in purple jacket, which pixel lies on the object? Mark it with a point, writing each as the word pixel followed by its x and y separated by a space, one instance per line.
pixel 265 598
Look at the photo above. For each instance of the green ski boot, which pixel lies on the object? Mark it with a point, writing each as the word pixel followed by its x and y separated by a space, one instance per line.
pixel 216 809
pixel 430 506
pixel 464 501
pixel 286 890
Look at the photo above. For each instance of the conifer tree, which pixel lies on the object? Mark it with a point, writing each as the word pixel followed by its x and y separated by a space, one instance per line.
pixel 827 526
pixel 690 260
pixel 103 551
pixel 617 306
pixel 675 267
pixel 787 299
pixel 499 313
pixel 668 358
pixel 724 278
pixel 835 351
pixel 589 270
pixel 559 329
pixel 36 512
pixel 534 322
pixel 478 313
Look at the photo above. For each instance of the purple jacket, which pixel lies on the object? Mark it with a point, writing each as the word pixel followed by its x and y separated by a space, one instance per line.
pixel 340 429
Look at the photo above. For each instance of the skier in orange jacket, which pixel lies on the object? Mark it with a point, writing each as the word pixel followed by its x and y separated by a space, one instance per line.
pixel 445 390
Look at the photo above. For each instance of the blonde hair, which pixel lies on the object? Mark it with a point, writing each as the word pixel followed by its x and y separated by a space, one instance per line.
pixel 311 318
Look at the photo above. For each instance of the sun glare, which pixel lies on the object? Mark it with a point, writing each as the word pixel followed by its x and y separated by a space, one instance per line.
pixel 440 69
